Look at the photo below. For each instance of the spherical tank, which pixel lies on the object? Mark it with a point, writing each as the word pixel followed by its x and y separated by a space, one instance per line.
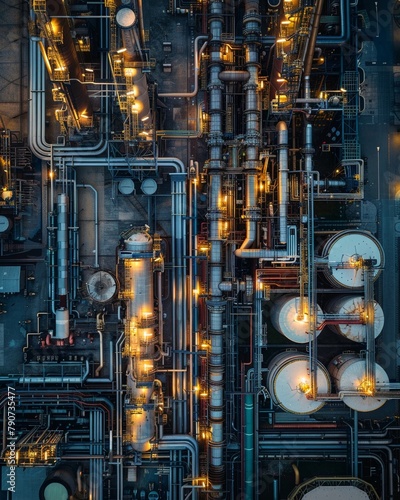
pixel 349 374
pixel 285 318
pixel 354 305
pixel 289 383
pixel 346 253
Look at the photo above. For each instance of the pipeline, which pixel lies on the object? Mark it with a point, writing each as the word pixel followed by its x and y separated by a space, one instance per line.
pixel 179 312
pixel 215 304
pixel 251 167
pixel 283 193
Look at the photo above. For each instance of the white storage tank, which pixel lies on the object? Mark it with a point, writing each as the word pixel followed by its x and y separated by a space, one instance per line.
pixel 345 252
pixel 348 371
pixel 289 383
pixel 62 324
pixel 345 305
pixel 285 318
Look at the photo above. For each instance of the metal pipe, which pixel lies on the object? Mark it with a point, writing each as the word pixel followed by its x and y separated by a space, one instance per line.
pixel 96 222
pixel 101 364
pixel 178 189
pixel 197 58
pixel 56 380
pixel 215 304
pixel 283 193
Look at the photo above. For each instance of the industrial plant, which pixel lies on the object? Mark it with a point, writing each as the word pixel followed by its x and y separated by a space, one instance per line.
pixel 199 248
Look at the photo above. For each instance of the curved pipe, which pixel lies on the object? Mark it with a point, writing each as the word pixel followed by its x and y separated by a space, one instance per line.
pixel 296 474
pixel 197 56
pixel 182 442
pixel 100 367
pixel 37 141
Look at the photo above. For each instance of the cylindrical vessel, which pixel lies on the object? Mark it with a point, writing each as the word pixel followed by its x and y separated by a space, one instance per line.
pixel 138 270
pixel 289 383
pixel 350 305
pixel 62 324
pixel 61 484
pixel 346 253
pixel 285 318
pixel 349 374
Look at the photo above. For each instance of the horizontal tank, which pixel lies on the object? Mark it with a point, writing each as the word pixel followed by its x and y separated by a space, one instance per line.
pixel 346 305
pixel 348 372
pixel 61 484
pixel 346 253
pixel 289 383
pixel 285 318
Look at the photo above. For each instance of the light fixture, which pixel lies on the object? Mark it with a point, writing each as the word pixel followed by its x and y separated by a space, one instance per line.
pixel 120 51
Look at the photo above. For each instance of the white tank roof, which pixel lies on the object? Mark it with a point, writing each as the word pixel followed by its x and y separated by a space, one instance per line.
pixel 284 317
pixel 291 383
pixel 55 491
pixel 354 305
pixel 336 493
pixel 125 17
pixel 350 378
pixel 344 252
pixel 101 286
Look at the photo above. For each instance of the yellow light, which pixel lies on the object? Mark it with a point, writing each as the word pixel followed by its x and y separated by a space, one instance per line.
pixel 281 40
pixel 304 386
pixel 120 51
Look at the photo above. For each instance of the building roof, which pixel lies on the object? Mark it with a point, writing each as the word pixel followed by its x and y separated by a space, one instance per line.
pixel 10 279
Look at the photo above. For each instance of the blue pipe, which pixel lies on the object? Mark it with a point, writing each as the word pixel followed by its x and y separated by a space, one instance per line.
pixel 249 446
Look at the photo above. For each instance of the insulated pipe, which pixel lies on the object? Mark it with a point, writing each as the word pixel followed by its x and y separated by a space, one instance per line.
pixel 101 363
pixel 234 76
pixel 62 248
pixel 283 193
pixel 308 148
pixel 178 189
pixel 96 222
pixel 215 304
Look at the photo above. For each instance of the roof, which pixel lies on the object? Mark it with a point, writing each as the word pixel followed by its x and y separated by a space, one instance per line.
pixel 10 279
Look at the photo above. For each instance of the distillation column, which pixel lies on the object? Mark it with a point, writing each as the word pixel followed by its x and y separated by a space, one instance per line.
pixel 143 390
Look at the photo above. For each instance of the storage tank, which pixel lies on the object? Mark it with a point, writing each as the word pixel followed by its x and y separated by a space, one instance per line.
pixel 285 318
pixel 345 305
pixel 61 484
pixel 289 383
pixel 345 253
pixel 62 324
pixel 348 371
